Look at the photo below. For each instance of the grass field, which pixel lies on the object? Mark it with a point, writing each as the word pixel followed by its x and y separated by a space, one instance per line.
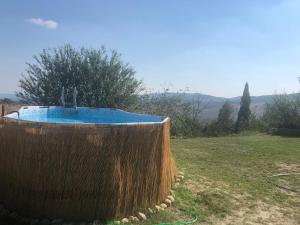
pixel 225 181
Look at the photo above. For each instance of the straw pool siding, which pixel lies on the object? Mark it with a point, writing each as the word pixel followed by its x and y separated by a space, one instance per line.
pixel 7 108
pixel 83 172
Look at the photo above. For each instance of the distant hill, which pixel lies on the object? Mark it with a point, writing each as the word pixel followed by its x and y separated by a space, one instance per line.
pixel 213 104
pixel 214 99
pixel 9 96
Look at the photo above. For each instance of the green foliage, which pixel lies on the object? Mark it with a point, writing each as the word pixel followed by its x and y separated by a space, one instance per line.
pixel 257 124
pixel 225 118
pixel 242 122
pixel 283 112
pixel 286 132
pixel 212 129
pixel 101 78
pixel 185 116
pixel 224 124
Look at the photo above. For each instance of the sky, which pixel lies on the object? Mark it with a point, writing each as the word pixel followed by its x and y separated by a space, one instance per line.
pixel 207 46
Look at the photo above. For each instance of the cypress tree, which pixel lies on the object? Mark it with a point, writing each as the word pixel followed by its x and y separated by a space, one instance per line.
pixel 244 114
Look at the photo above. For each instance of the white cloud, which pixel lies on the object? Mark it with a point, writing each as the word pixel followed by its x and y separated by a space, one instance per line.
pixel 50 24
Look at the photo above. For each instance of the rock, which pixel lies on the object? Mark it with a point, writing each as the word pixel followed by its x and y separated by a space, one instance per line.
pixel 163 205
pixel 84 223
pixel 6 212
pixel 168 202
pixel 125 220
pixel 181 173
pixel 134 219
pixel 180 177
pixel 117 222
pixel 57 221
pixel 158 208
pixel 177 180
pixel 14 215
pixel 171 198
pixel 3 211
pixel 44 222
pixel 142 216
pixel 150 211
pixel 34 221
pixel 25 220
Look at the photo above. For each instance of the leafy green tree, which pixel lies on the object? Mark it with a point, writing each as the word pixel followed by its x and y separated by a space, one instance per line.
pixel 224 123
pixel 100 77
pixel 225 118
pixel 185 115
pixel 283 112
pixel 244 114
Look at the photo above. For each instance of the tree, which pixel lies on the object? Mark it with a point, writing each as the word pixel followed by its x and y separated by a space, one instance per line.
pixel 244 112
pixel 283 112
pixel 225 118
pixel 101 78
pixel 185 115
pixel 7 101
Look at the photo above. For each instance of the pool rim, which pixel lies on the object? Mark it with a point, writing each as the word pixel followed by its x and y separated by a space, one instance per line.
pixel 9 119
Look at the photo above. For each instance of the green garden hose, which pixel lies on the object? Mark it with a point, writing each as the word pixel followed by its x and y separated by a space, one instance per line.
pixel 269 179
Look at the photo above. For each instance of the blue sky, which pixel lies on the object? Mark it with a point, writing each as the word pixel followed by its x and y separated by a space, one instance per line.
pixel 212 47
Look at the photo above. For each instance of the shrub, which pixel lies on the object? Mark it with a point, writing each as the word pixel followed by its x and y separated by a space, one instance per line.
pixel 283 112
pixel 185 116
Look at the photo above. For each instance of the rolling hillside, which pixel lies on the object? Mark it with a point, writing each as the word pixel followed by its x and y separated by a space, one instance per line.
pixel 212 103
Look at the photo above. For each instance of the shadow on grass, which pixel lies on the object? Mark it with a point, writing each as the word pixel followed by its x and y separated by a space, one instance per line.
pixel 286 132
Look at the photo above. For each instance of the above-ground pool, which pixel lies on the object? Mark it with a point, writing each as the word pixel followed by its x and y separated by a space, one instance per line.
pixel 81 115
pixel 84 163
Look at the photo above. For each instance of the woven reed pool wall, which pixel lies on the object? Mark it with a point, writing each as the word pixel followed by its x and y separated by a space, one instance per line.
pixel 83 171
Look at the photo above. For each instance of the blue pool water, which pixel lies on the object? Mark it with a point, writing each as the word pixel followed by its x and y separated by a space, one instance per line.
pixel 81 115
